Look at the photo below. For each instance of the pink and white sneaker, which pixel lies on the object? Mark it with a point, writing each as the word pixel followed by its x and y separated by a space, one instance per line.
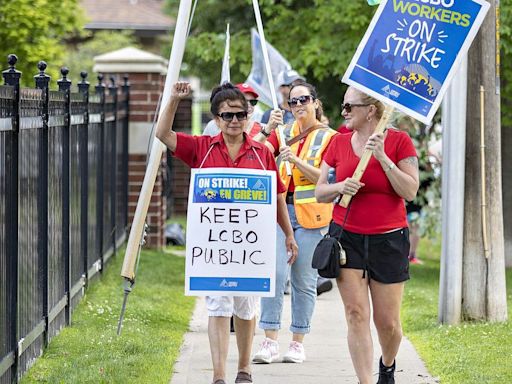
pixel 295 353
pixel 268 352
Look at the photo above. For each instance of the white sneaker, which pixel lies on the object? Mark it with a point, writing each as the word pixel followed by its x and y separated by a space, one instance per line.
pixel 295 353
pixel 268 353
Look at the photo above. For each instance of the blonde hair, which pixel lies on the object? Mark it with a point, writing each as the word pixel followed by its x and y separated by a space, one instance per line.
pixel 365 99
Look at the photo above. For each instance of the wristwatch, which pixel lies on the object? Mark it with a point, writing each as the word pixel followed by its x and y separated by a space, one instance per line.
pixel 264 133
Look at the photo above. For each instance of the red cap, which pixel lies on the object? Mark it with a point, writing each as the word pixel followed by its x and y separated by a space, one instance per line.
pixel 246 88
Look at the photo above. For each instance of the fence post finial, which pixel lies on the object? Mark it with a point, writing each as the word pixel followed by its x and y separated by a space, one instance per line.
pixel 100 88
pixel 42 79
pixel 64 83
pixel 83 86
pixel 12 75
pixel 100 79
pixel 112 88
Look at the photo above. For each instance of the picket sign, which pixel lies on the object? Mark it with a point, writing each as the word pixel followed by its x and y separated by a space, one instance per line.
pixel 231 248
pixel 173 71
pixel 410 53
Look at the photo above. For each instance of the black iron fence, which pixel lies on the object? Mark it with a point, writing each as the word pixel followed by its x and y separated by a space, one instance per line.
pixel 63 203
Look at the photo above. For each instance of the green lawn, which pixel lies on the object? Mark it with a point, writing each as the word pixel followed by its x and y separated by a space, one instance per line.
pixel 156 318
pixel 473 352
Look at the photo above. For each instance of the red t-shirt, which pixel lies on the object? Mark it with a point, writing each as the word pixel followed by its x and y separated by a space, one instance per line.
pixel 343 129
pixel 193 149
pixel 376 208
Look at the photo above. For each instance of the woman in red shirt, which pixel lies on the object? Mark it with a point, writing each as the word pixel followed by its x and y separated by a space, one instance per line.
pixel 375 234
pixel 231 148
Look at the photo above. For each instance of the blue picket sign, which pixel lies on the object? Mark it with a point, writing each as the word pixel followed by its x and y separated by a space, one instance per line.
pixel 411 51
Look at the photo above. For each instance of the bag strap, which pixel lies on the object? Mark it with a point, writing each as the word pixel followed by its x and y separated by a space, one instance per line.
pixel 303 134
pixel 344 219
pixel 346 215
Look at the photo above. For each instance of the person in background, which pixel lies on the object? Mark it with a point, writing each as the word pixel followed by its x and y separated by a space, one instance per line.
pixel 375 236
pixel 305 143
pixel 416 208
pixel 253 127
pixel 231 148
pixel 285 80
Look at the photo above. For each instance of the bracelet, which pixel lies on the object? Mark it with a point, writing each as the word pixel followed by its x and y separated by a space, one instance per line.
pixel 390 167
pixel 265 133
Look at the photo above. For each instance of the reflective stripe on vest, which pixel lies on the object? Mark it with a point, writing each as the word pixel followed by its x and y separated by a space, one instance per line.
pixel 321 137
pixel 305 194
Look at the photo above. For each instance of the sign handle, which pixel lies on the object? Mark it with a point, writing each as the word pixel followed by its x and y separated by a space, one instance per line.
pixel 173 71
pixel 367 154
pixel 275 105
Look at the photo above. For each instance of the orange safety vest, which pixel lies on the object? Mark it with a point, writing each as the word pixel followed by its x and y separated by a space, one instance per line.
pixel 310 213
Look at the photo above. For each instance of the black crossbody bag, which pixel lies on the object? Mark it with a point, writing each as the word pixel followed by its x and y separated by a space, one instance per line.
pixel 329 255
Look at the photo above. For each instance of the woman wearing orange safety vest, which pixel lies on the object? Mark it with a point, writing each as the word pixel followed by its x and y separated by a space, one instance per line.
pixel 305 142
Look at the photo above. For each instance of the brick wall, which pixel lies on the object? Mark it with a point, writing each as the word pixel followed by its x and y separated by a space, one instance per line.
pixel 145 91
pixel 170 193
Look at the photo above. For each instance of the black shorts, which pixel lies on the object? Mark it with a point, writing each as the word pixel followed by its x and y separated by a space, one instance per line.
pixel 385 257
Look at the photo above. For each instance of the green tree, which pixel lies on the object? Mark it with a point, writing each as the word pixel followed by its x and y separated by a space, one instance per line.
pixel 35 30
pixel 318 38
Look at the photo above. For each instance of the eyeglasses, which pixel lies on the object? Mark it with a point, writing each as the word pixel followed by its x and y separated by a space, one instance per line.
pixel 228 116
pixel 306 99
pixel 348 107
pixel 253 102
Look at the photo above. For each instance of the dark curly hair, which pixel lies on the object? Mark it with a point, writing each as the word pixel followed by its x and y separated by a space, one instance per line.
pixel 226 92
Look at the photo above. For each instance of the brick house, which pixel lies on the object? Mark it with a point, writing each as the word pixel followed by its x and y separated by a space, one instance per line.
pixel 146 18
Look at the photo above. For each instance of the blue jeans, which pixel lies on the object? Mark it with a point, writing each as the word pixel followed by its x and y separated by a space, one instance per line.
pixel 302 276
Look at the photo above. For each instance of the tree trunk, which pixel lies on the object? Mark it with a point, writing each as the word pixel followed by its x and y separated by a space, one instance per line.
pixel 483 286
pixel 506 169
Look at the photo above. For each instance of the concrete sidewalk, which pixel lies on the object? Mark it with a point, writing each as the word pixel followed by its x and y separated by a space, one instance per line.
pixel 328 359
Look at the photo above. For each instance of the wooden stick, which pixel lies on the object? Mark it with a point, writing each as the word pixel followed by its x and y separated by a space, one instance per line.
pixel 367 154
pixel 173 71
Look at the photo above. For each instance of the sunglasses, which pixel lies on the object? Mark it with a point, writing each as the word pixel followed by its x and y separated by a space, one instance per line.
pixel 228 116
pixel 348 107
pixel 253 102
pixel 302 99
